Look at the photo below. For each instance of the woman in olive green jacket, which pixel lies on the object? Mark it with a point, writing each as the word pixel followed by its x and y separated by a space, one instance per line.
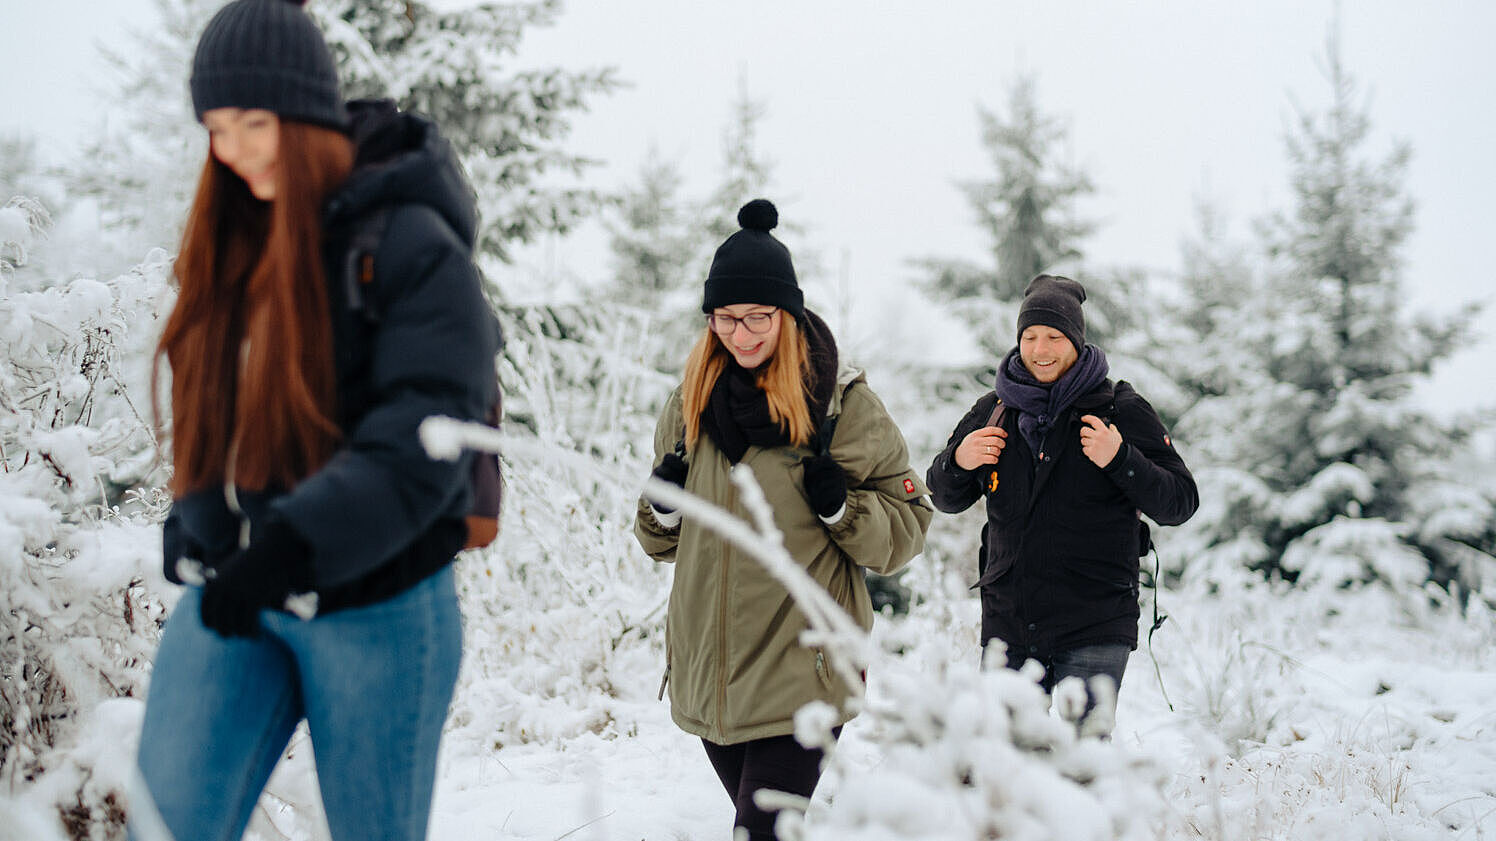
pixel 758 388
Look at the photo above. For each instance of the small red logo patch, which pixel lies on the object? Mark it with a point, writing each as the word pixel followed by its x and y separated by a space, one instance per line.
pixel 1167 442
pixel 908 486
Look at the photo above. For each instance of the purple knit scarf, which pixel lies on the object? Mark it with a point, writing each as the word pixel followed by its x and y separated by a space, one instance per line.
pixel 1041 405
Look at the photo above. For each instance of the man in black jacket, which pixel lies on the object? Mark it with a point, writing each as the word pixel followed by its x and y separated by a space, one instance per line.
pixel 1067 461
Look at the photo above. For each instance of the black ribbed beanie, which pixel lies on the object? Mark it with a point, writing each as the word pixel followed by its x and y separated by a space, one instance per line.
pixel 752 267
pixel 1054 301
pixel 267 54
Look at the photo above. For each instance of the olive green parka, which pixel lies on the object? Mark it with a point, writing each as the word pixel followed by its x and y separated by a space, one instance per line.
pixel 736 668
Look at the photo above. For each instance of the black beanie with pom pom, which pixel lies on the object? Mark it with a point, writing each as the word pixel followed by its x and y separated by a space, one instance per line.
pixel 752 267
pixel 267 54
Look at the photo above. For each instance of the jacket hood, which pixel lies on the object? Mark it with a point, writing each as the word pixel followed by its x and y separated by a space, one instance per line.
pixel 402 158
pixel 825 364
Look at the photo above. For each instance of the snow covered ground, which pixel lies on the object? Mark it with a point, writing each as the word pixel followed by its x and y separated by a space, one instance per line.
pixel 1297 716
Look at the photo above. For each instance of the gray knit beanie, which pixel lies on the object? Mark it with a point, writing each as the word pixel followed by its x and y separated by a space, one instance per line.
pixel 267 54
pixel 1054 301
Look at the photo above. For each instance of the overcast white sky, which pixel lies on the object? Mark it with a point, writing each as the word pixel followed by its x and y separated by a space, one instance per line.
pixel 872 114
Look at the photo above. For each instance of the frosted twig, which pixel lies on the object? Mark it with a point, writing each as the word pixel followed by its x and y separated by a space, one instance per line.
pixel 773 800
pixel 445 438
pixel 575 830
pixel 845 642
pixel 846 645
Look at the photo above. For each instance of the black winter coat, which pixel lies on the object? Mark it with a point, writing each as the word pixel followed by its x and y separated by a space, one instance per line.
pixel 381 515
pixel 1059 562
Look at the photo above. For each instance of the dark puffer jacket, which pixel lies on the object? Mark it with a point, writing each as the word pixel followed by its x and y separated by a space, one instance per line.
pixel 380 515
pixel 1059 563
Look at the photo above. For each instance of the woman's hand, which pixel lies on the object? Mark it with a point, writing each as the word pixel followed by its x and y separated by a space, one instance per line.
pixel 825 485
pixel 276 564
pixel 1099 440
pixel 672 469
pixel 984 446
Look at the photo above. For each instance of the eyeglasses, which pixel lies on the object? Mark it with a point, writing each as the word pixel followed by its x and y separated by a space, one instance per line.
pixel 726 325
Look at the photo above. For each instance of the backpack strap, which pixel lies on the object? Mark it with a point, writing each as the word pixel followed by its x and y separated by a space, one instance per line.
pixel 998 410
pixel 1123 388
pixel 358 265
pixel 821 441
pixel 823 436
pixel 988 475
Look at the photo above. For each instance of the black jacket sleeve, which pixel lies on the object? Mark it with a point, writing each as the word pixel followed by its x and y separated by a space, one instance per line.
pixel 953 489
pixel 433 354
pixel 1148 469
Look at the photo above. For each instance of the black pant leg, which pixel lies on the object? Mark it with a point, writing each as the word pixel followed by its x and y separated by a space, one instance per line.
pixel 727 761
pixel 778 763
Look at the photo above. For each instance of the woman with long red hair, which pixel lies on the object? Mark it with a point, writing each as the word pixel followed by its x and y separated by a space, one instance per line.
pixel 328 303
pixel 765 388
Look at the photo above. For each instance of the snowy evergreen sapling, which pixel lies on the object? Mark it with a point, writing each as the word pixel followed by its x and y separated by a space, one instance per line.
pixel 1322 466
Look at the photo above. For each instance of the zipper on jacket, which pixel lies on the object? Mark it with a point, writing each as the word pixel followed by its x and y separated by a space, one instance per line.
pixel 721 645
pixel 722 623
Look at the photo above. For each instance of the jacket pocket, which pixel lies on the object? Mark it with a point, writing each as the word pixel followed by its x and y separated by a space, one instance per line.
pixel 1098 578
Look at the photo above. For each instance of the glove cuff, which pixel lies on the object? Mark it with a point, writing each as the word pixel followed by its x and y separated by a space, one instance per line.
pixel 668 518
pixel 836 517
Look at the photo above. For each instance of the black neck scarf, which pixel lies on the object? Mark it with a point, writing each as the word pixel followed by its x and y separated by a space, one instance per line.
pixel 737 414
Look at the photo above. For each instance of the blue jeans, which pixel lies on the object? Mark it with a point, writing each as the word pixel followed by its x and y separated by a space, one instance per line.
pixel 1086 661
pixel 372 682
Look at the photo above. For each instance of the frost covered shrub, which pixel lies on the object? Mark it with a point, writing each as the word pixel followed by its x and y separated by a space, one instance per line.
pixel 963 752
pixel 80 609
pixel 1232 669
pixel 74 375
pixel 563 612
pixel 1323 712
pixel 1236 659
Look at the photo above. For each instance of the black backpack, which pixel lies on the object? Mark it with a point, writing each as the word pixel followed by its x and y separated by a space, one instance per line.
pixel 487 478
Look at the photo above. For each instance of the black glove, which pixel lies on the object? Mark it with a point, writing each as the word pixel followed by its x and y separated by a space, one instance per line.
pixel 176 544
pixel 276 564
pixel 825 484
pixel 672 469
